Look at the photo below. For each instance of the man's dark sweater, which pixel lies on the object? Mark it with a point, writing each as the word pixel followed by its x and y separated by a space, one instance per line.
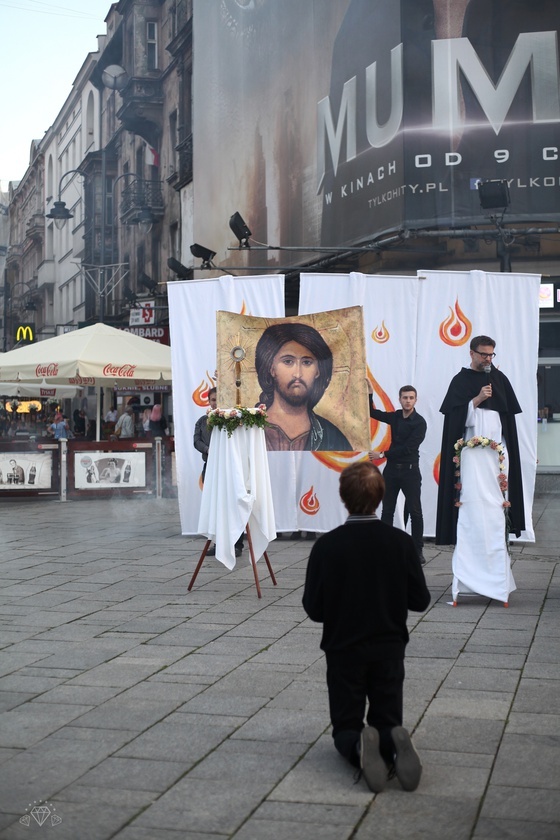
pixel 407 433
pixel 362 578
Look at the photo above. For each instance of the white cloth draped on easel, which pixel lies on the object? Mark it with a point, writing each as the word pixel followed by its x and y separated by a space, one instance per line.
pixel 236 492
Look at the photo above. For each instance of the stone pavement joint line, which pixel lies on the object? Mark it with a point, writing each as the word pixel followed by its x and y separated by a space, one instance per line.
pixel 133 709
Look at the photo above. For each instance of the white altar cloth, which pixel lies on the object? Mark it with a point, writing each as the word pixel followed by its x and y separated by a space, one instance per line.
pixel 237 491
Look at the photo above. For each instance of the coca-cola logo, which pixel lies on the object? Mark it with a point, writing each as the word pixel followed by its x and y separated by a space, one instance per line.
pixel 51 369
pixel 122 372
pixel 81 380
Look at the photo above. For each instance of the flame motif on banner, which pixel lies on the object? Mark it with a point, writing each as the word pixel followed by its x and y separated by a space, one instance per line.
pixel 309 503
pixel 200 395
pixel 243 310
pixel 435 469
pixel 456 329
pixel 381 334
pixel 339 460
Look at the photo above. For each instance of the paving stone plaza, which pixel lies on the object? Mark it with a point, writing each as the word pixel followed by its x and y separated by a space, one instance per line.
pixel 134 709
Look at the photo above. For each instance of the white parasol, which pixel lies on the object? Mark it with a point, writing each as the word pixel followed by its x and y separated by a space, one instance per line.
pixel 97 355
pixel 38 390
pixel 94 355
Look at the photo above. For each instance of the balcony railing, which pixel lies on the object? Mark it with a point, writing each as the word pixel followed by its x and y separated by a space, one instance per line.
pixel 185 150
pixel 138 196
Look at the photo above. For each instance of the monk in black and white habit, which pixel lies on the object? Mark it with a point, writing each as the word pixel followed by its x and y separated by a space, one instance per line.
pixel 474 508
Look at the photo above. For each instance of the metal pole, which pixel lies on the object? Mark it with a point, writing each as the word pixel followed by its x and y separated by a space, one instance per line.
pixel 103 213
pixel 5 323
pixel 102 246
pixel 158 468
pixel 63 470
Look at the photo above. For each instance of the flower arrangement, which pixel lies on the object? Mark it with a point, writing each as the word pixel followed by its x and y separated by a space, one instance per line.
pixel 483 442
pixel 230 418
pixel 502 477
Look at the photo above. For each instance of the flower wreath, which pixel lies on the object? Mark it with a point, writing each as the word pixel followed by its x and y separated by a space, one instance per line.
pixel 502 477
pixel 484 442
pixel 231 418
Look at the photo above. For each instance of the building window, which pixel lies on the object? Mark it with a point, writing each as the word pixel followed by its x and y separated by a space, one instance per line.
pixel 151 44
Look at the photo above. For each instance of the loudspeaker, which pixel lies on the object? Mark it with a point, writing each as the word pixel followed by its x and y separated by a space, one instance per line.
pixel 494 195
pixel 240 229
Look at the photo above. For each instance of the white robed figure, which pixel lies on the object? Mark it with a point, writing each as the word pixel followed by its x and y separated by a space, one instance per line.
pixel 481 561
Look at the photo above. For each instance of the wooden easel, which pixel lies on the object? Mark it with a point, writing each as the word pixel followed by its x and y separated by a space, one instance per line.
pixel 253 562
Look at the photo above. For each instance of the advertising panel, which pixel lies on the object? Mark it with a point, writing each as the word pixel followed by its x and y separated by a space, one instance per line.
pixel 331 124
pixel 106 470
pixel 25 471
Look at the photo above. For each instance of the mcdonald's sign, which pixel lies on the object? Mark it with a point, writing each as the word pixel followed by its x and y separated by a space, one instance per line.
pixel 25 334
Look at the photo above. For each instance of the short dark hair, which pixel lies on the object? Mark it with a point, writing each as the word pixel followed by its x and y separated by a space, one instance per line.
pixel 270 343
pixel 407 388
pixel 481 341
pixel 210 392
pixel 361 488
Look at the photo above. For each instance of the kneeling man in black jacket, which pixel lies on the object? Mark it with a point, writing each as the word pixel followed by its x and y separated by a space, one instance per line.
pixel 362 578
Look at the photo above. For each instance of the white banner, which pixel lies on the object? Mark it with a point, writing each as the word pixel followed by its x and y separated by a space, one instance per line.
pixel 192 317
pixel 417 333
pixel 390 305
pixel 455 306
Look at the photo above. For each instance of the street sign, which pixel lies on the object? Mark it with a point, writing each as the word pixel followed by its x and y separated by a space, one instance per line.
pixel 143 314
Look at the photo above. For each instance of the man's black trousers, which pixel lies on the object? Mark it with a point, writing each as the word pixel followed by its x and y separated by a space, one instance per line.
pixel 354 678
pixel 405 477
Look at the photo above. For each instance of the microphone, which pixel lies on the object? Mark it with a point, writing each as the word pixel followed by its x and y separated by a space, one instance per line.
pixel 487 369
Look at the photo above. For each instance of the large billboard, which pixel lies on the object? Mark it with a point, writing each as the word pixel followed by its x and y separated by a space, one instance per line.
pixel 336 123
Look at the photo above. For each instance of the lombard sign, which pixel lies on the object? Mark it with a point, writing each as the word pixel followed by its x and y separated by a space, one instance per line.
pixel 154 333
pixel 25 334
pixel 406 106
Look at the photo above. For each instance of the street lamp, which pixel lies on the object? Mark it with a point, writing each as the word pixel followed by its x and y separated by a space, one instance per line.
pixel 102 278
pixel 60 214
pixel 59 211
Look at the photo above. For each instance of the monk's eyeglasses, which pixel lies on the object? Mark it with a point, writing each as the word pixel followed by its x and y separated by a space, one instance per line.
pixel 485 355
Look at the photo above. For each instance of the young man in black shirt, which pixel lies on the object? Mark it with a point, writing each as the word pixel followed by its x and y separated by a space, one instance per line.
pixel 402 471
pixel 362 578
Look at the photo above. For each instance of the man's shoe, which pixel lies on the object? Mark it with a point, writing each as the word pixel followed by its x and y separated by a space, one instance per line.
pixel 408 766
pixel 238 551
pixel 211 551
pixel 371 762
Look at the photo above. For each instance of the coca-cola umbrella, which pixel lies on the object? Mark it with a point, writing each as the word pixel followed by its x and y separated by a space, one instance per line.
pixel 38 389
pixel 99 355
